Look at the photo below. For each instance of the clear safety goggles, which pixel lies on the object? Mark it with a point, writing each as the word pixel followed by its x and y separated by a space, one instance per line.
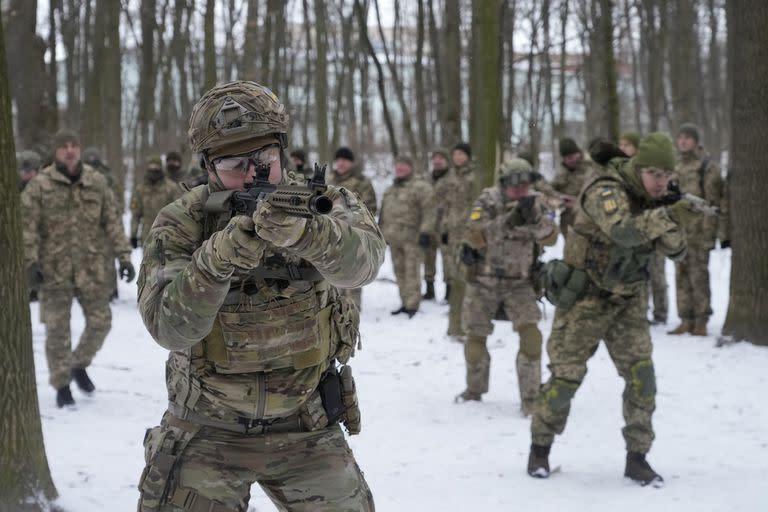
pixel 265 156
pixel 518 178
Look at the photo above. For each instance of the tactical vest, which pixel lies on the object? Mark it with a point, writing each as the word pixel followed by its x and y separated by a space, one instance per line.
pixel 615 269
pixel 278 330
pixel 509 252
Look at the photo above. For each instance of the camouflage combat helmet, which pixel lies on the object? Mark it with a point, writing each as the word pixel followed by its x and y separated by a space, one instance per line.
pixel 516 171
pixel 91 156
pixel 233 113
pixel 28 159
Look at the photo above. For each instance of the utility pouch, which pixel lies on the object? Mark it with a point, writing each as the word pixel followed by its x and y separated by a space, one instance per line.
pixel 163 446
pixel 563 285
pixel 345 329
pixel 351 405
pixel 330 393
pixel 312 413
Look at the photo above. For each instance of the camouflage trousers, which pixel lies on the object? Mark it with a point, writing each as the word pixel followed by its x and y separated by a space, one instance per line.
pixel 430 263
pixel 355 295
pixel 576 333
pixel 456 299
pixel 57 305
pixel 483 298
pixel 406 260
pixel 692 283
pixel 658 281
pixel 204 469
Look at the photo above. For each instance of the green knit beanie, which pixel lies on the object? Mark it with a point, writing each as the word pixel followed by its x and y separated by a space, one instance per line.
pixel 154 159
pixel 655 150
pixel 690 130
pixel 631 137
pixel 568 146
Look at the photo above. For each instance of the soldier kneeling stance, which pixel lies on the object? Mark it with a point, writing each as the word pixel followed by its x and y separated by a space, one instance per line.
pixel 249 308
pixel 504 228
pixel 599 291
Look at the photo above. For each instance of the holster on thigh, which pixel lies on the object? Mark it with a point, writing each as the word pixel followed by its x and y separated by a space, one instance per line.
pixel 163 447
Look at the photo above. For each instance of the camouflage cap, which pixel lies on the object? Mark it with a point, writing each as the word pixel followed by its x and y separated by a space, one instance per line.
pixel 65 136
pixel 443 152
pixel 631 137
pixel 154 160
pixel 28 159
pixel 516 171
pixel 91 155
pixel 234 112
pixel 655 150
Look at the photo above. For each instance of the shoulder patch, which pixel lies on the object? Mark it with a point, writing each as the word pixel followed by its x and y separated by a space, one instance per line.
pixel 476 214
pixel 608 200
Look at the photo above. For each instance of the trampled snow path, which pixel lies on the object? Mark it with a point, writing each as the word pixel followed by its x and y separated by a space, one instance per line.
pixel 421 452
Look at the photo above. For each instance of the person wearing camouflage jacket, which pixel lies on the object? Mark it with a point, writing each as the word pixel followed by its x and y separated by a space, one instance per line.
pixel 348 173
pixel 440 171
pixel 148 199
pixel 250 310
pixel 503 228
pixel 570 179
pixel 698 174
pixel 407 219
pixel 600 292
pixel 460 185
pixel 69 211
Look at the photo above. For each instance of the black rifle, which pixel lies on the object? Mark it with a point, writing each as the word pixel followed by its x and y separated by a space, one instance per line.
pixel 297 200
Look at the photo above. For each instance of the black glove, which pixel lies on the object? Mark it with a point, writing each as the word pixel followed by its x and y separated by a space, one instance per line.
pixel 127 271
pixel 134 242
pixel 527 212
pixel 35 276
pixel 469 256
pixel 444 238
pixel 725 244
pixel 425 241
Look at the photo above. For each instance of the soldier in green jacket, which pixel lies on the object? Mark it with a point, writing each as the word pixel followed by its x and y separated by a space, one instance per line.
pixel 249 308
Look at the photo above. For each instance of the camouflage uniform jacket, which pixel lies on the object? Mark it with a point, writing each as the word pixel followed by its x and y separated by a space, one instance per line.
pixel 147 201
pixel 407 209
pixel 570 182
pixel 456 204
pixel 113 185
pixel 65 226
pixel 616 231
pixel 507 252
pixel 441 185
pixel 245 344
pixel 356 182
pixel 708 185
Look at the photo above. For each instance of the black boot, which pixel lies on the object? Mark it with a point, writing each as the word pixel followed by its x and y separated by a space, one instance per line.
pixel 82 380
pixel 447 292
pixel 640 471
pixel 64 397
pixel 410 312
pixel 398 311
pixel 430 293
pixel 538 461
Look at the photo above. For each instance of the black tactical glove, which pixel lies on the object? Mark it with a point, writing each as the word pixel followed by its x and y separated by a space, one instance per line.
pixel 134 242
pixel 515 218
pixel 127 271
pixel 527 211
pixel 35 276
pixel 425 241
pixel 725 244
pixel 444 238
pixel 469 256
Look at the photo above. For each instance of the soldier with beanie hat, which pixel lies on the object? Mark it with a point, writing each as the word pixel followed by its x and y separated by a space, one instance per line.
pixel 570 178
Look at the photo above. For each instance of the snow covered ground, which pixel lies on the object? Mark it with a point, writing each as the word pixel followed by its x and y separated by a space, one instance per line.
pixel 422 452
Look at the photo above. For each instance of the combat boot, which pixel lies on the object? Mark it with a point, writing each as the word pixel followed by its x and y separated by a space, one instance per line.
pixel 699 329
pixel 64 397
pixel 638 470
pixel 684 327
pixel 410 313
pixel 538 461
pixel 401 309
pixel 82 380
pixel 468 396
pixel 430 293
pixel 659 320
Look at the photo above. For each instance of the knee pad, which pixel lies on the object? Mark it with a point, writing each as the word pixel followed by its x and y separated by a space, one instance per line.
pixel 557 394
pixel 642 381
pixel 530 341
pixel 474 349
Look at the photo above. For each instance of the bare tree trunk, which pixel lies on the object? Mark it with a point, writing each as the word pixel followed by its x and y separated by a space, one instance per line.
pixel 546 56
pixel 489 98
pixel 250 46
pixel 92 121
pixel 434 43
pixel 747 317
pixel 209 52
pixel 53 75
pixel 25 479
pixel 564 15
pixel 362 23
pixel 29 74
pixel 112 95
pixel 277 15
pixel 421 93
pixel 682 60
pixel 70 20
pixel 451 74
pixel 321 80
pixel 714 104
pixel 307 75
pixel 147 77
pixel 635 65
pixel 603 111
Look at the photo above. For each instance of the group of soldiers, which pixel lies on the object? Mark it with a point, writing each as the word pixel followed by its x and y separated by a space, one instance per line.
pixel 260 311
